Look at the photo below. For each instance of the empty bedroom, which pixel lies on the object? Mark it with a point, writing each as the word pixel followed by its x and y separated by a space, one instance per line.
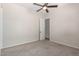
pixel 39 29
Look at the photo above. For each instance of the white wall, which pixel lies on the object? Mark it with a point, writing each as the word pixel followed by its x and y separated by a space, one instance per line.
pixel 65 25
pixel 20 25
pixel 0 27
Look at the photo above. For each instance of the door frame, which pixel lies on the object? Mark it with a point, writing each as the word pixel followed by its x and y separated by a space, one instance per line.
pixel 39 28
pixel 47 37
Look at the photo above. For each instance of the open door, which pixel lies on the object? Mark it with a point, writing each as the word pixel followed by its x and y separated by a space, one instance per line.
pixel 42 29
pixel 47 29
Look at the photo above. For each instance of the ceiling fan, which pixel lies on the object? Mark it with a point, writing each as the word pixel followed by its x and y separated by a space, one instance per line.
pixel 45 7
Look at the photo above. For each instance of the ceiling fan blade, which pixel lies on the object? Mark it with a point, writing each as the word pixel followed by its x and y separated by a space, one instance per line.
pixel 52 6
pixel 47 10
pixel 37 4
pixel 39 9
pixel 45 4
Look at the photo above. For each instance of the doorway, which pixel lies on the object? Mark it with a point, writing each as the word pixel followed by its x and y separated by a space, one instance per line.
pixel 44 29
pixel 47 29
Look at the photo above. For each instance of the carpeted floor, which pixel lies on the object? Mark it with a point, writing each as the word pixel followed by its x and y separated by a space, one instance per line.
pixel 40 48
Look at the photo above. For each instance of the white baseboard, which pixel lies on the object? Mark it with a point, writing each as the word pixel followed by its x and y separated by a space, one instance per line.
pixel 18 44
pixel 66 44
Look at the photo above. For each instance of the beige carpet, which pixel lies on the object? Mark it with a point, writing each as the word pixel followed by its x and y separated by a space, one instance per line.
pixel 40 48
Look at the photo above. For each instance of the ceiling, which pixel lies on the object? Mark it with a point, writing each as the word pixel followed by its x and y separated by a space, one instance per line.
pixel 32 7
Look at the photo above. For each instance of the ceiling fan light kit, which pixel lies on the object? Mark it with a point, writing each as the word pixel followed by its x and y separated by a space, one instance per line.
pixel 45 7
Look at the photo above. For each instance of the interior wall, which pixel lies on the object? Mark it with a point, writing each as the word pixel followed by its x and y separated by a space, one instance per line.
pixel 64 24
pixel 0 27
pixel 20 25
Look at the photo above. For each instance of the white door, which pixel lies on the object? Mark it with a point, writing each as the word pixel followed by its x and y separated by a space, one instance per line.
pixel 42 29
